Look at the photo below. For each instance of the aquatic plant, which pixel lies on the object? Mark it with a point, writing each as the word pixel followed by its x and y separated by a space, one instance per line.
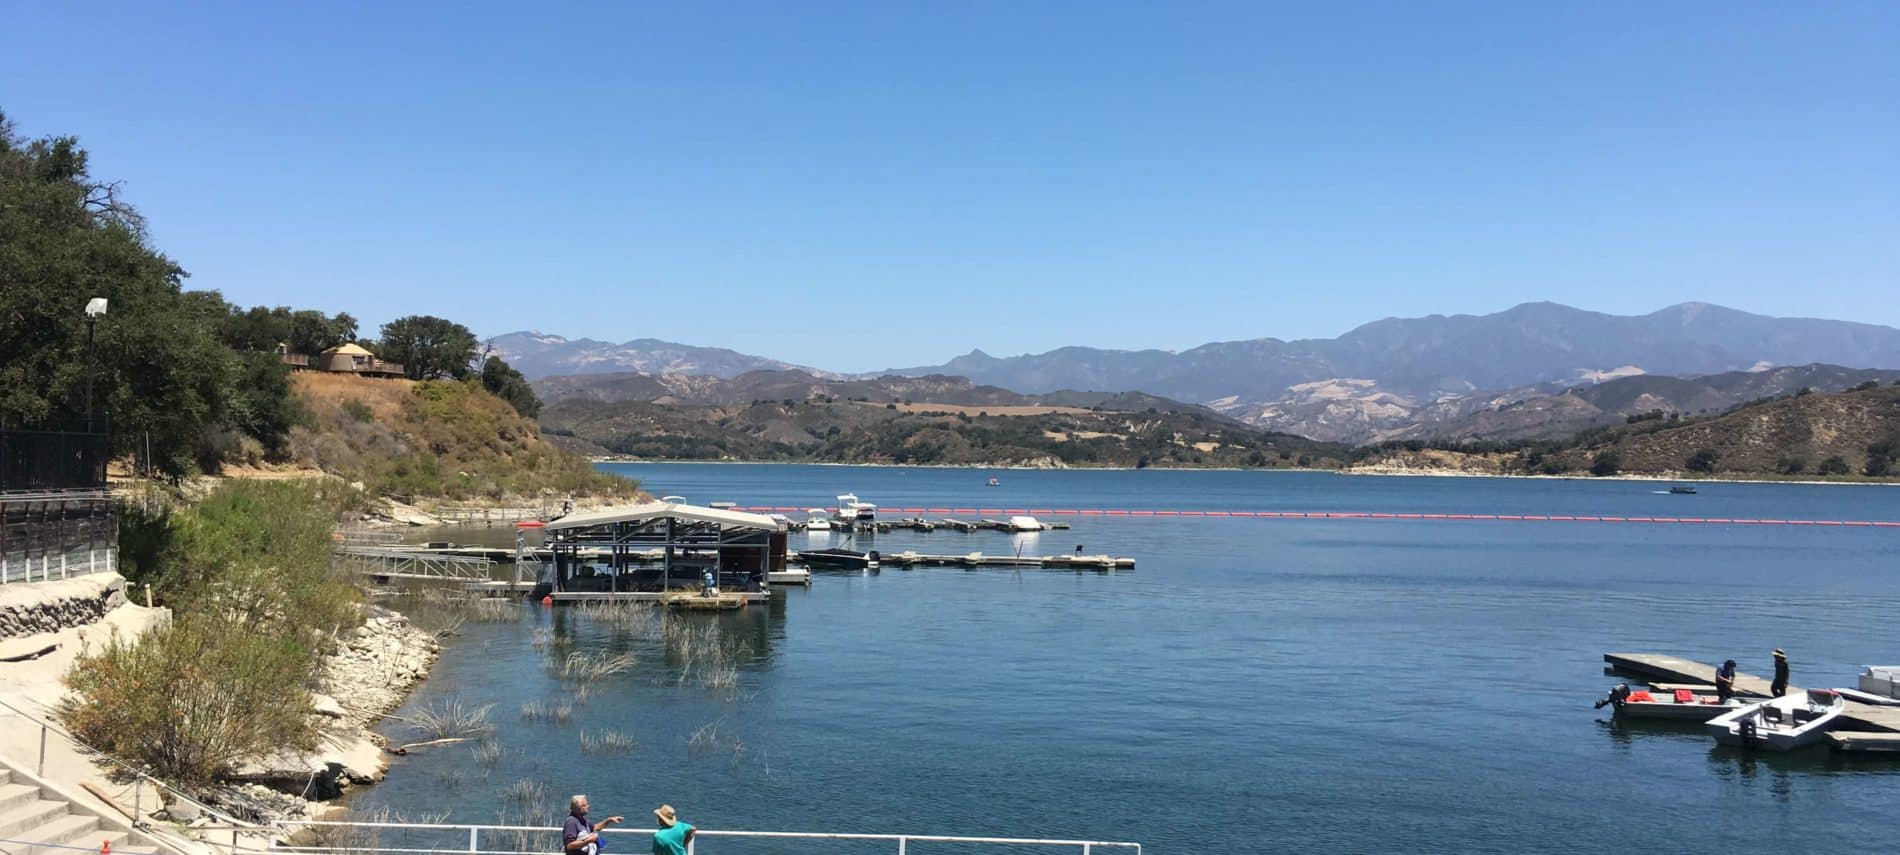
pixel 452 718
pixel 606 742
pixel 558 713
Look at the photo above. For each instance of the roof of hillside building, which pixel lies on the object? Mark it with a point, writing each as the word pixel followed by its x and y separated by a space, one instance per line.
pixel 349 348
pixel 657 510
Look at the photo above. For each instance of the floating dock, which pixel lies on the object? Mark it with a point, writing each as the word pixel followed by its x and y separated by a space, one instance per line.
pixel 1672 670
pixel 978 560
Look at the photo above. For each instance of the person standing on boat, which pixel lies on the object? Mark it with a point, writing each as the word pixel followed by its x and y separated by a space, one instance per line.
pixel 578 835
pixel 673 836
pixel 1725 681
pixel 1780 686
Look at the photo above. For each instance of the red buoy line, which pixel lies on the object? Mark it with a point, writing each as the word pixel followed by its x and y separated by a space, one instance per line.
pixel 1351 515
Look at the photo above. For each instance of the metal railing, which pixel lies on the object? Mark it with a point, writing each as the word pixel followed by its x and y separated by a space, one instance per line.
pixel 394 563
pixel 472 834
pixel 137 775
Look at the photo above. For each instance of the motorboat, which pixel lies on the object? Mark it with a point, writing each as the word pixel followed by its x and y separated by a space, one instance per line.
pixel 1882 680
pixel 1682 490
pixel 838 559
pixel 850 510
pixel 995 482
pixel 1796 720
pixel 722 506
pixel 1022 523
pixel 673 500
pixel 818 520
pixel 789 576
pixel 1679 705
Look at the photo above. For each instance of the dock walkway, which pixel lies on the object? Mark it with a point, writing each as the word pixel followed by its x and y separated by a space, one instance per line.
pixel 1675 669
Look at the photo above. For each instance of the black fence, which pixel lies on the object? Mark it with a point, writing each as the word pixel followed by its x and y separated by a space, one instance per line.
pixel 40 460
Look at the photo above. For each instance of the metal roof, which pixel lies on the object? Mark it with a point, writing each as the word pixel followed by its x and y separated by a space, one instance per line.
pixel 657 510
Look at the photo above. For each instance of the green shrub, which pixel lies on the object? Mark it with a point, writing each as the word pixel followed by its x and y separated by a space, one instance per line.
pixel 1606 463
pixel 1835 465
pixel 359 411
pixel 1791 465
pixel 1703 460
pixel 191 699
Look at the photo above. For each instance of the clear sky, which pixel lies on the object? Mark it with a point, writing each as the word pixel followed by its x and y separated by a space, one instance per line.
pixel 867 185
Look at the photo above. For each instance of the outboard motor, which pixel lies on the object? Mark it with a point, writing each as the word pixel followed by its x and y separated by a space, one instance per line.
pixel 1616 697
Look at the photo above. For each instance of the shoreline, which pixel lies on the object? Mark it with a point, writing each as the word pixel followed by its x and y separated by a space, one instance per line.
pixel 1349 471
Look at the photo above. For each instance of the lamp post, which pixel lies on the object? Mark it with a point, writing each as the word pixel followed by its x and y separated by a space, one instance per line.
pixel 95 308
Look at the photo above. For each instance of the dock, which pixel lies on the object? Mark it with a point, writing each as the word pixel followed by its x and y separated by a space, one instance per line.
pixel 978 560
pixel 1671 670
pixel 1854 742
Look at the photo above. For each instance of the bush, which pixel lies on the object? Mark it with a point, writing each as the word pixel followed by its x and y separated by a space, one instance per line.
pixel 1606 463
pixel 1878 467
pixel 1791 465
pixel 1871 384
pixel 1835 465
pixel 1703 460
pixel 190 699
pixel 358 411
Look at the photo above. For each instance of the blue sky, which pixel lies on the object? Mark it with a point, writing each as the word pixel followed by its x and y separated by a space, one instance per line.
pixel 868 185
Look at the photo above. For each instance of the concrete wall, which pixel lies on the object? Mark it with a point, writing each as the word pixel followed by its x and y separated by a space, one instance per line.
pixel 32 608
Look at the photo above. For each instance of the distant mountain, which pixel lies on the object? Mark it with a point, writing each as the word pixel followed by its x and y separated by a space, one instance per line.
pixel 538 355
pixel 1614 401
pixel 798 386
pixel 1371 379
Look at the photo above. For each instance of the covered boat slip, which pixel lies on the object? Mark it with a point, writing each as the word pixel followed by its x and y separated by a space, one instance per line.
pixel 599 552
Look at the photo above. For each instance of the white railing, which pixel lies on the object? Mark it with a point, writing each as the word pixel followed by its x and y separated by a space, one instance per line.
pixel 473 846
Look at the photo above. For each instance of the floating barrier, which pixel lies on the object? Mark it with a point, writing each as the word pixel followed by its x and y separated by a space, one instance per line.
pixel 1357 515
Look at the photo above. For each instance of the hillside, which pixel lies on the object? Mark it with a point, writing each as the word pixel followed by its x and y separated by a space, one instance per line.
pixel 438 439
pixel 537 355
pixel 1611 402
pixel 1852 435
pixel 843 431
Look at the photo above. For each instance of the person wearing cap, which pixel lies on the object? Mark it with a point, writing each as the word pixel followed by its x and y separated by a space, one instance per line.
pixel 1725 681
pixel 673 835
pixel 578 835
pixel 1780 686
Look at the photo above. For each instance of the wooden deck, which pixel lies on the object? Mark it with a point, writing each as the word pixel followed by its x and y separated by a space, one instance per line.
pixel 1677 670
pixel 1854 742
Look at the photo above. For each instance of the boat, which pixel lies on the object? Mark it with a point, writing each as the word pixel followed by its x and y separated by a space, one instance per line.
pixel 673 500
pixel 838 559
pixel 1021 523
pixel 789 576
pixel 1682 490
pixel 818 521
pixel 1679 705
pixel 722 506
pixel 995 483
pixel 1882 680
pixel 851 510
pixel 1796 720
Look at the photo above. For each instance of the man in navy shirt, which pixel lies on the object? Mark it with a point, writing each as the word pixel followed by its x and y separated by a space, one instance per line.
pixel 578 836
pixel 1725 681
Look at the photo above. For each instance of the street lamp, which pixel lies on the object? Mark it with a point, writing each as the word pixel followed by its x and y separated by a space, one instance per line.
pixel 95 307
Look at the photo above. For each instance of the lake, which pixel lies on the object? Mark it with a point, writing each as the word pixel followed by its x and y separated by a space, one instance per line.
pixel 1253 685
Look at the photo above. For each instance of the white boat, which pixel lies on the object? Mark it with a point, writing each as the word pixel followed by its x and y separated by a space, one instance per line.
pixel 1882 680
pixel 1680 705
pixel 850 510
pixel 673 500
pixel 818 521
pixel 1795 721
pixel 1024 524
pixel 789 576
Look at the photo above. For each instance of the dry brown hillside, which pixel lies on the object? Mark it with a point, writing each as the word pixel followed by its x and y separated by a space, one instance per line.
pixel 441 439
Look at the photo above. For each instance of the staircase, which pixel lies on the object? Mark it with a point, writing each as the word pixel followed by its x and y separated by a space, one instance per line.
pixel 36 821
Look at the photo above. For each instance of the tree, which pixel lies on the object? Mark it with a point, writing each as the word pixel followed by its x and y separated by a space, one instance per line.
pixel 1606 463
pixel 504 382
pixel 1836 465
pixel 1792 465
pixel 160 374
pixel 1703 460
pixel 428 347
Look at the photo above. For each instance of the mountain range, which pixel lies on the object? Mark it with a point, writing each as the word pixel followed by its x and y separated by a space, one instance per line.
pixel 1393 378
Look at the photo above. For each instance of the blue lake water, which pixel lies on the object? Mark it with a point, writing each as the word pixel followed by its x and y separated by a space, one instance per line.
pixel 1254 685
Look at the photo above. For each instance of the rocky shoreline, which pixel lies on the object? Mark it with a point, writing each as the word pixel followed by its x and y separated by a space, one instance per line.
pixel 364 680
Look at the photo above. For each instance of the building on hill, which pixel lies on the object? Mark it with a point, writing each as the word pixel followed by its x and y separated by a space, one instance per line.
pixel 353 358
pixel 57 518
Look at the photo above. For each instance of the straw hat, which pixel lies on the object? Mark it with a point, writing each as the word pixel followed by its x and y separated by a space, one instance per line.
pixel 1779 654
pixel 666 815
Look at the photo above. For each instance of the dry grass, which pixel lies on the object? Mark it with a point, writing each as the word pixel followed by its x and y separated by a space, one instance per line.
pixel 452 718
pixel 557 713
pixel 607 742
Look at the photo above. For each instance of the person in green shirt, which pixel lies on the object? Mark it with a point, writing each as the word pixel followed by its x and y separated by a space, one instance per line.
pixel 673 835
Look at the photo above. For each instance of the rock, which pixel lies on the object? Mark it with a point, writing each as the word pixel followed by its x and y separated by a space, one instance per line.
pixel 326 705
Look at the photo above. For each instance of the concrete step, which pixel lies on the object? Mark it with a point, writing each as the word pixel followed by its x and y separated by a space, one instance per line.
pixel 29 815
pixel 73 829
pixel 15 795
